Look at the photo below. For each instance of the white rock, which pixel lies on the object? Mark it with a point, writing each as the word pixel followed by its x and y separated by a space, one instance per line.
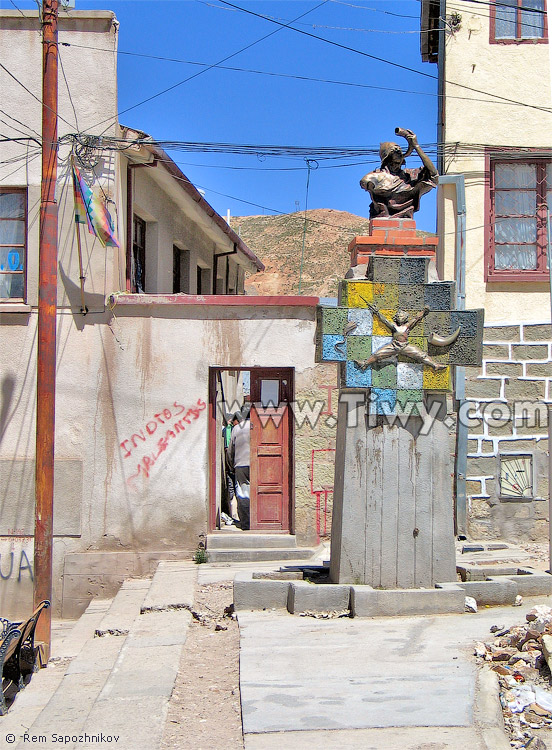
pixel 470 604
pixel 519 601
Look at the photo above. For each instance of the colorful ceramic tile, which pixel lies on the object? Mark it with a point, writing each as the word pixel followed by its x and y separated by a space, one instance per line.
pixel 440 295
pixel 437 322
pixel 359 293
pixel 379 341
pixel 411 297
pixel 383 269
pixel 334 320
pixel 334 348
pixel 356 377
pixel 384 375
pixel 379 328
pixel 383 400
pixel 436 381
pixel 410 375
pixel 413 270
pixel 387 297
pixel 465 351
pixel 359 347
pixel 466 320
pixel 409 401
pixel 363 319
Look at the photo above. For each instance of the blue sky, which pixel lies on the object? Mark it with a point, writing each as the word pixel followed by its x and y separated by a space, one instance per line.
pixel 236 107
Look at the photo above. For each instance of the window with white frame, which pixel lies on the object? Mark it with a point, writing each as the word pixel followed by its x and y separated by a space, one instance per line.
pixel 518 21
pixel 13 243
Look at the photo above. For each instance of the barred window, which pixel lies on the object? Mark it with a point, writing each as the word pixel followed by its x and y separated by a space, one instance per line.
pixel 13 243
pixel 518 21
pixel 519 193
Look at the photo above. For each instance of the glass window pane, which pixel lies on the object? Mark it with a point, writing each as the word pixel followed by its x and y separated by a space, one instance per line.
pixel 532 24
pixel 12 205
pixel 516 230
pixel 11 259
pixel 270 391
pixel 11 285
pixel 515 175
pixel 12 232
pixel 515 203
pixel 505 20
pixel 515 257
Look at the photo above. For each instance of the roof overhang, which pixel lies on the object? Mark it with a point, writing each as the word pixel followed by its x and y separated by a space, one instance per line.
pixel 171 178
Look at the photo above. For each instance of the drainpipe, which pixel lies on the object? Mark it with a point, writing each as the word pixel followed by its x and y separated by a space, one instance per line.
pixel 441 69
pixel 461 462
pixel 216 256
pixel 129 205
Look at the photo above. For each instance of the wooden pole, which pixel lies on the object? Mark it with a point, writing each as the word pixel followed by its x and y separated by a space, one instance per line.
pixel 47 315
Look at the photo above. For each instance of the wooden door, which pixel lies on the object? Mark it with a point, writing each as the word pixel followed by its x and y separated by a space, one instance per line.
pixel 270 496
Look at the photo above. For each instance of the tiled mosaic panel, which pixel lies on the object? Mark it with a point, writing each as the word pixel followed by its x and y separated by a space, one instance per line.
pixel 440 295
pixel 398 270
pixel 356 377
pixel 384 375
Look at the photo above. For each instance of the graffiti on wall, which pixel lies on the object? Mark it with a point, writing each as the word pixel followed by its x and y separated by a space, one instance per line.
pixel 16 564
pixel 165 426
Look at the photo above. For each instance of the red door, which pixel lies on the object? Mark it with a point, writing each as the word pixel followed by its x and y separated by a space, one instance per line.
pixel 270 496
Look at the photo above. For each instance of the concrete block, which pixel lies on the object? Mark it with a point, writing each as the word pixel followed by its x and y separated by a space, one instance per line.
pixel 259 593
pixel 124 608
pixel 138 722
pixel 239 540
pixel 304 596
pixel 98 654
pixel 535 584
pixel 367 602
pixel 530 351
pixel 149 671
pixel 501 333
pixel 537 332
pixel 491 591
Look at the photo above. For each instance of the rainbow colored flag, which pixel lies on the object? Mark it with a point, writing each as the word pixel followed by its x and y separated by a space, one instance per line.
pixel 90 210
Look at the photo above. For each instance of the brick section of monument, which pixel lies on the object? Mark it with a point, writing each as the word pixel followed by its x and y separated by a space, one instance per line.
pixel 391 237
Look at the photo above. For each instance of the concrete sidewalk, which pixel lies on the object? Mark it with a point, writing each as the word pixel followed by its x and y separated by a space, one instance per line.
pixel 383 683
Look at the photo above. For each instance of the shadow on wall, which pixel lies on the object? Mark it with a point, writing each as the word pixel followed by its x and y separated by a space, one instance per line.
pixel 8 388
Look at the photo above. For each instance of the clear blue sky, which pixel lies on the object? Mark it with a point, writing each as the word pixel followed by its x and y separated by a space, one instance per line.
pixel 249 108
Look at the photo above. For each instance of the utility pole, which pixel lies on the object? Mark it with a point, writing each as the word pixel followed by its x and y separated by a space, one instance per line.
pixel 47 317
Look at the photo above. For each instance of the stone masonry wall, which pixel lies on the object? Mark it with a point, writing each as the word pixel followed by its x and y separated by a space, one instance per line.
pixel 507 417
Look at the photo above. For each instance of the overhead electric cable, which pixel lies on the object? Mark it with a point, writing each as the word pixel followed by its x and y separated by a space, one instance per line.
pixel 374 57
pixel 228 57
pixel 31 93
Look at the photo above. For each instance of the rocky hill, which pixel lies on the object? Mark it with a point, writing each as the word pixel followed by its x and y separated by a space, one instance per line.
pixel 278 242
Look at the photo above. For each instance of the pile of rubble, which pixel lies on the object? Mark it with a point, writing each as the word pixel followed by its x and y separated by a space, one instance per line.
pixel 521 655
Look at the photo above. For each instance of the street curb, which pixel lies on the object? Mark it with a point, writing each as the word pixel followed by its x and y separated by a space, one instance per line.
pixel 488 711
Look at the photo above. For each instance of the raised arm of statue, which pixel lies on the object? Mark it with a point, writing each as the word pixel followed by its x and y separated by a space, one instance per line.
pixel 413 145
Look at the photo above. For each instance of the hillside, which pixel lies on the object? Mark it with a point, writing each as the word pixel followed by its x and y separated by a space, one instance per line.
pixel 278 240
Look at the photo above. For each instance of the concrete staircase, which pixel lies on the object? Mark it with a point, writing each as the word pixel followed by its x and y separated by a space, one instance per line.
pixel 112 673
pixel 231 545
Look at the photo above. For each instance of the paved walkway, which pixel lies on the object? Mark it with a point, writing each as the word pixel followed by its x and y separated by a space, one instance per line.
pixel 375 684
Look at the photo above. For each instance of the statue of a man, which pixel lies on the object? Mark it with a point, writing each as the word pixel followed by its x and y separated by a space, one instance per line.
pixel 396 191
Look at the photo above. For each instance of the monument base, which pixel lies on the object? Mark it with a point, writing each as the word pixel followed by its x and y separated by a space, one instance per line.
pixel 392 519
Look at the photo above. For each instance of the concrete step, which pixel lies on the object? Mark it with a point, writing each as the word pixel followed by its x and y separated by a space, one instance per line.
pixel 259 554
pixel 236 539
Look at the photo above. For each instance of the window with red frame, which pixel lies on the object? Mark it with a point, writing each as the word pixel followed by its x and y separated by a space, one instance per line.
pixel 13 243
pixel 520 191
pixel 518 21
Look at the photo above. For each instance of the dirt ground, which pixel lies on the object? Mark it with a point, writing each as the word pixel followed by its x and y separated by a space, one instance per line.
pixel 204 711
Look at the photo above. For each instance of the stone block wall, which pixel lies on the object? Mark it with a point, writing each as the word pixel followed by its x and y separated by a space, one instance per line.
pixel 507 416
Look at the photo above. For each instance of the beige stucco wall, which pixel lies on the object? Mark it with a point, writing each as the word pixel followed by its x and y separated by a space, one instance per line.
pixel 520 72
pixel 115 373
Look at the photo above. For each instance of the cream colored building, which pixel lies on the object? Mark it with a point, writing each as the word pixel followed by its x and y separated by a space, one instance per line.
pixel 495 136
pixel 145 376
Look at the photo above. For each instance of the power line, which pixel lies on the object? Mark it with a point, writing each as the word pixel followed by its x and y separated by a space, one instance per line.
pixel 374 10
pixel 31 93
pixel 379 59
pixel 300 77
pixel 228 57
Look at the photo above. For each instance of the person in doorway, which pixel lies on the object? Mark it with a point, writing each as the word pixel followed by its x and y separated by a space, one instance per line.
pixel 231 421
pixel 240 460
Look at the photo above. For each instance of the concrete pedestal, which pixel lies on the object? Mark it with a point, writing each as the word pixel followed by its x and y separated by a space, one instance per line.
pixel 392 514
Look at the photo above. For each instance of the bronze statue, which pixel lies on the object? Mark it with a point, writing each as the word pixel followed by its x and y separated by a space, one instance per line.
pixel 400 327
pixel 395 191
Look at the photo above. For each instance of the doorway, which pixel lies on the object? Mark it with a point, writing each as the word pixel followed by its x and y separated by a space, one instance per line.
pixel 266 393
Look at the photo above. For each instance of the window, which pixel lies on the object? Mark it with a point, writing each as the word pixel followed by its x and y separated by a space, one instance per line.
pixel 13 234
pixel 516 21
pixel 139 255
pixel 517 233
